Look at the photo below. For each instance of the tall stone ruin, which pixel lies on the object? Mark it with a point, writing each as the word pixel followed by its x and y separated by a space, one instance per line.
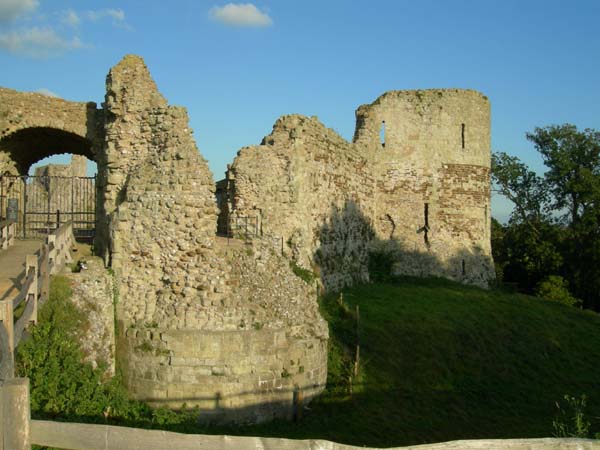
pixel 414 183
pixel 224 326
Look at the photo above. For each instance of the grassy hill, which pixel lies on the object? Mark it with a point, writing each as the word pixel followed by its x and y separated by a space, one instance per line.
pixel 438 361
pixel 441 361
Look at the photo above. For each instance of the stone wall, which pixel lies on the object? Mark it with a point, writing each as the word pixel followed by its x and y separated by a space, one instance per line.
pixel 416 177
pixel 433 180
pixel 200 319
pixel 316 195
pixel 93 294
pixel 233 376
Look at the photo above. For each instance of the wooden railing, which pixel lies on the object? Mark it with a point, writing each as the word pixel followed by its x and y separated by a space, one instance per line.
pixel 8 230
pixel 55 252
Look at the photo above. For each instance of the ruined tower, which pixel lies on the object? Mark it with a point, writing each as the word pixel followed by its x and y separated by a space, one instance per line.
pixel 430 157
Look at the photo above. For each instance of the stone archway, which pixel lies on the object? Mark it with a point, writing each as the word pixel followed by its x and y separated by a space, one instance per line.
pixel 27 146
pixel 33 127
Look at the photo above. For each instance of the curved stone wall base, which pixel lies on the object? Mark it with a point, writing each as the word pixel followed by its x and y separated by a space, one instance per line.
pixel 231 376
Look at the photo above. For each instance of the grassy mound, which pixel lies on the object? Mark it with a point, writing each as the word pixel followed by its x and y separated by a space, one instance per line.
pixel 442 361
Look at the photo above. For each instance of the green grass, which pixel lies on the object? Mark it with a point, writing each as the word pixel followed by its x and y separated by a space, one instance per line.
pixel 439 361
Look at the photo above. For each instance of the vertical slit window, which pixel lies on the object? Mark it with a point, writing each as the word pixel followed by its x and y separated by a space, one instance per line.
pixel 426 224
pixel 462 135
pixel 464 268
pixel 382 133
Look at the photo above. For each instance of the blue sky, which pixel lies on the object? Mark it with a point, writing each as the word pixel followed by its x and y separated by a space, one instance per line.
pixel 239 66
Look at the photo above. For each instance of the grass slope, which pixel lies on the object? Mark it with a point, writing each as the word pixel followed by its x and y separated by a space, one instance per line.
pixel 442 361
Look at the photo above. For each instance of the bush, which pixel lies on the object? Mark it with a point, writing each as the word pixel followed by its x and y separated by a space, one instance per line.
pixel 306 275
pixel 63 387
pixel 556 289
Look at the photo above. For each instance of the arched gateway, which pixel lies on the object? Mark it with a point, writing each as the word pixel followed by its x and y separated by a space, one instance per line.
pixel 33 127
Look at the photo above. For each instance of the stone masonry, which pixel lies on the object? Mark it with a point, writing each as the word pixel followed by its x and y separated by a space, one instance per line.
pixel 415 182
pixel 229 329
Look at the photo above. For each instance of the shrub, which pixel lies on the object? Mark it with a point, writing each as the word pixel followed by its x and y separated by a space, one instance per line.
pixel 570 421
pixel 306 275
pixel 556 289
pixel 382 256
pixel 62 386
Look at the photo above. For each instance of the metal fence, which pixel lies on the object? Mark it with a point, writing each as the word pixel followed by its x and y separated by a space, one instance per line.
pixel 39 204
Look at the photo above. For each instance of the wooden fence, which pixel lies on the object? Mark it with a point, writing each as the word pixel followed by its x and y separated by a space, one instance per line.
pixel 55 252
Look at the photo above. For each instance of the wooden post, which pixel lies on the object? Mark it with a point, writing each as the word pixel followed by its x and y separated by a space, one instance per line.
pixel 45 274
pixel 15 416
pixel 8 334
pixel 51 240
pixel 4 236
pixel 12 231
pixel 31 262
pixel 298 402
pixel 357 354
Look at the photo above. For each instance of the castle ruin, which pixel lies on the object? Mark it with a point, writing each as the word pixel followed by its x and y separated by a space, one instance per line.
pixel 226 325
pixel 415 179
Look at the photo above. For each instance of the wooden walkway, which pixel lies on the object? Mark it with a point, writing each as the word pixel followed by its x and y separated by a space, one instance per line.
pixel 12 265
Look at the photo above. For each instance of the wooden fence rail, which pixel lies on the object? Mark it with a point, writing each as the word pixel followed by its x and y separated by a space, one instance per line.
pixel 8 231
pixel 104 437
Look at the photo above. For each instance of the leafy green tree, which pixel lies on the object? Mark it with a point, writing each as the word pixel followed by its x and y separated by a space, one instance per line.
pixel 573 178
pixel 555 226
pixel 521 186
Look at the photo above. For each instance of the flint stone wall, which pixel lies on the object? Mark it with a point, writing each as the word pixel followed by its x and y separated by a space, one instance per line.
pixel 93 295
pixel 415 182
pixel 201 319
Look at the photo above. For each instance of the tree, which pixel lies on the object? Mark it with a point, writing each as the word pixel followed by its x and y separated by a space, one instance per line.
pixel 573 178
pixel 555 226
pixel 521 186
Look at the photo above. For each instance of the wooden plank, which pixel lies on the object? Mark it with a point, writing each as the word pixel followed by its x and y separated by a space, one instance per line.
pixel 7 289
pixel 6 361
pixel 23 321
pixel 105 437
pixel 23 293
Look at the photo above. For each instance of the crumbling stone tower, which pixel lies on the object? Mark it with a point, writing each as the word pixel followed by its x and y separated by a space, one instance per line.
pixel 430 158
